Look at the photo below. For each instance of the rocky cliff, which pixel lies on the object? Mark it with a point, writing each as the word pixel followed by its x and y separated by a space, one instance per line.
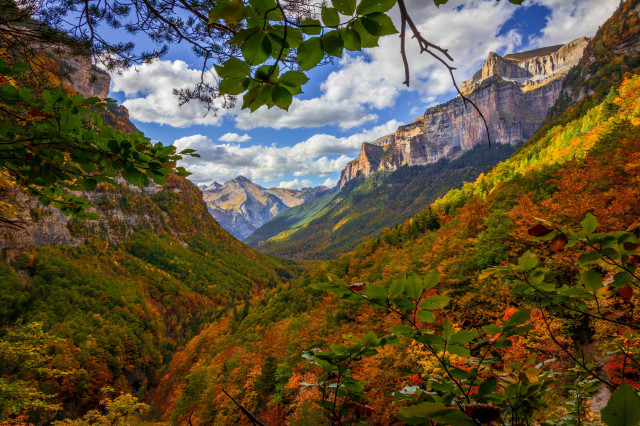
pixel 513 92
pixel 240 206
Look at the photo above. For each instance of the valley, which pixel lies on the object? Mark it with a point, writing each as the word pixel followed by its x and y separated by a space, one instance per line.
pixel 446 279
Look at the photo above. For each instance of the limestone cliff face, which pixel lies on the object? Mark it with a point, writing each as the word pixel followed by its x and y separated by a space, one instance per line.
pixel 513 92
pixel 240 206
pixel 85 78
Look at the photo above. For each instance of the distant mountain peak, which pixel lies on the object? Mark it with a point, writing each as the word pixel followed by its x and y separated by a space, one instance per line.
pixel 514 93
pixel 242 206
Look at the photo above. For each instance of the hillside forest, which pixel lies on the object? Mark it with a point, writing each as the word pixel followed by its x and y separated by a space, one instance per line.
pixel 511 299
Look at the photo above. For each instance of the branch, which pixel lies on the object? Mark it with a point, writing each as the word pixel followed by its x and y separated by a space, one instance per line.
pixel 251 417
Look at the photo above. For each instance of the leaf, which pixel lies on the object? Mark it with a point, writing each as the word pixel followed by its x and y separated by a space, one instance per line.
pixel 256 48
pixel 366 39
pixel 623 408
pixel 558 242
pixel 588 258
pixel 626 292
pixel 463 337
pixel 310 53
pixel 431 279
pixel 351 39
pixel 377 293
pixel 539 230
pixel 378 24
pixel 589 224
pixel 311 26
pixel 371 6
pixel 346 7
pixel 417 414
pixel 426 316
pixel 435 302
pixel 281 97
pixel 395 288
pixel 592 280
pixel 330 17
pixel 520 317
pixel 332 43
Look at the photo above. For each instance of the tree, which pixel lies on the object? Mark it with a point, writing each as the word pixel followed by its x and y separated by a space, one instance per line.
pixel 258 48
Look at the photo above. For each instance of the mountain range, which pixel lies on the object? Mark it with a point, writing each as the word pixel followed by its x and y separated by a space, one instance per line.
pixel 400 174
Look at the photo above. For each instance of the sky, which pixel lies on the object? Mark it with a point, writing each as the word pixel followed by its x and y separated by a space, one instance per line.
pixel 356 99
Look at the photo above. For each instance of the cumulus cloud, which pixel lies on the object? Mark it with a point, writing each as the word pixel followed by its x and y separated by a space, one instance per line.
pixel 291 184
pixel 571 19
pixel 320 155
pixel 148 91
pixel 330 182
pixel 234 137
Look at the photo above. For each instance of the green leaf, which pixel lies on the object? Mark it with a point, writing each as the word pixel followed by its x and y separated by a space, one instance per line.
pixel 589 224
pixel 366 39
pixel 367 7
pixel 231 12
pixel 588 258
pixel 346 7
pixel 281 97
pixel 426 316
pixel 491 329
pixel 463 337
pixel 435 302
pixel 520 317
pixel 592 280
pixel 528 261
pixel 417 414
pixel 431 279
pixel 377 293
pixel 378 24
pixel 256 48
pixel 351 39
pixel 310 53
pixel 332 43
pixel 330 17
pixel 311 26
pixel 396 287
pixel 623 408
pixel 459 350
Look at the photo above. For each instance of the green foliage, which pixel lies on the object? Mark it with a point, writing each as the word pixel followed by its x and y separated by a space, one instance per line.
pixel 54 143
pixel 122 410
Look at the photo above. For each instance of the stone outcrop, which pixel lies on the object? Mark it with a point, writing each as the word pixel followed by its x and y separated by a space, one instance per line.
pixel 513 92
pixel 85 78
pixel 240 206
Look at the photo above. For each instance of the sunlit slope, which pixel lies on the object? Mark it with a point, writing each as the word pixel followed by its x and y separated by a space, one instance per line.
pixel 334 225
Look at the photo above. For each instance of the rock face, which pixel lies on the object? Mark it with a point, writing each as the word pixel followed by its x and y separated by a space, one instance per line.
pixel 513 92
pixel 85 78
pixel 240 206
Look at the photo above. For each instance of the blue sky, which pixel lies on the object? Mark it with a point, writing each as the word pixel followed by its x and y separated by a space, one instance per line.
pixel 358 98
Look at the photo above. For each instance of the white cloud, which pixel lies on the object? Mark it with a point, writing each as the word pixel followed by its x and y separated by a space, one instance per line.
pixel 570 19
pixel 234 137
pixel 319 155
pixel 149 94
pixel 330 182
pixel 298 184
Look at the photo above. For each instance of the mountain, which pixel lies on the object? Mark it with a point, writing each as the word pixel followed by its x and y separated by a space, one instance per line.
pixel 400 174
pixel 240 206
pixel 513 92
pixel 585 159
pixel 327 227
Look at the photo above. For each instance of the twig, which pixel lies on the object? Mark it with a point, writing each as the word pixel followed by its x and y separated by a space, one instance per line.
pixel 251 417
